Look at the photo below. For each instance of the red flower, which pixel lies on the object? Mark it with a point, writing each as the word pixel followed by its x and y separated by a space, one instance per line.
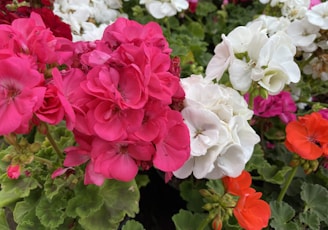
pixel 237 186
pixel 308 136
pixel 251 212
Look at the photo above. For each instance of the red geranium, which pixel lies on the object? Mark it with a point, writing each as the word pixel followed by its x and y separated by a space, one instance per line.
pixel 308 136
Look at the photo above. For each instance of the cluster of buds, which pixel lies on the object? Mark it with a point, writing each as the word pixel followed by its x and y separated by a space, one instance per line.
pixel 308 166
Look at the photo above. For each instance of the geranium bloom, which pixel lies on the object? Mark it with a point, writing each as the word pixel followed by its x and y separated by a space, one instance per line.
pixel 281 105
pixel 308 136
pixel 317 15
pixel 20 94
pixel 13 171
pixel 160 9
pixel 238 185
pixel 251 212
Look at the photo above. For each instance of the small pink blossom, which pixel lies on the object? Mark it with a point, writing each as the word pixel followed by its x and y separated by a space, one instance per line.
pixel 193 5
pixel 60 171
pixel 324 113
pixel 13 171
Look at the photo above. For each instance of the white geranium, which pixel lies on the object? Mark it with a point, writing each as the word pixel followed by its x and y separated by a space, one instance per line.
pixel 318 15
pixel 88 18
pixel 303 34
pixel 272 24
pixel 222 141
pixel 160 9
pixel 295 9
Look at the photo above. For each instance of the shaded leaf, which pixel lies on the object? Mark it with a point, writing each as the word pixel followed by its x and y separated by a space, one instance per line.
pixel 3 220
pixel 316 199
pixel 310 219
pixel 133 225
pixel 186 220
pixel 189 191
pixel 281 216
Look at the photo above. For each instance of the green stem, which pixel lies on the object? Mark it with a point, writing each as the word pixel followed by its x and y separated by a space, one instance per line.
pixel 43 160
pixel 54 144
pixel 287 184
pixel 205 222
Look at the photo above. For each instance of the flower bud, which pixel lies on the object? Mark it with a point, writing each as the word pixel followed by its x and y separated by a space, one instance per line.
pixel 35 147
pixel 208 206
pixel 13 171
pixel 11 138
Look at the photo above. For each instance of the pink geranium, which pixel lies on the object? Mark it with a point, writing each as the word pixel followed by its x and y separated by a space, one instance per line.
pixel 13 171
pixel 20 94
pixel 281 105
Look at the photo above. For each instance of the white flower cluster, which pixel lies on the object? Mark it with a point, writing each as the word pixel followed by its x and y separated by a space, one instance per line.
pixel 308 32
pixel 88 18
pixel 164 8
pixel 250 55
pixel 222 141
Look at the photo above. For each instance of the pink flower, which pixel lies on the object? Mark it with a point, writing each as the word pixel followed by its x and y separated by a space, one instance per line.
pixel 324 113
pixel 118 160
pixel 13 171
pixel 281 105
pixel 193 5
pixel 20 94
pixel 173 150
pixel 314 2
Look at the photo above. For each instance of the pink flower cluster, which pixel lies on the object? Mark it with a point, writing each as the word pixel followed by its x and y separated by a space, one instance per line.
pixel 28 94
pixel 281 105
pixel 120 95
pixel 122 90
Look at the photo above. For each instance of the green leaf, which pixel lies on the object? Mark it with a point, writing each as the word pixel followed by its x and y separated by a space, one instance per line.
pixel 217 186
pixel 3 220
pixel 13 190
pixel 196 29
pixel 310 219
pixel 281 215
pixel 85 202
pixel 120 199
pixel 316 199
pixel 189 191
pixel 274 174
pixel 142 180
pixel 51 212
pixel 205 8
pixel 132 225
pixel 186 220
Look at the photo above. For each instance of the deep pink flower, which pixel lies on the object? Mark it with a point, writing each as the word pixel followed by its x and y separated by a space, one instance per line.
pixel 324 113
pixel 193 5
pixel 118 160
pixel 281 105
pixel 20 94
pixel 174 148
pixel 13 171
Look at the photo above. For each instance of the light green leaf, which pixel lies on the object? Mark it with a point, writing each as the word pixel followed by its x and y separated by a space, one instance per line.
pixel 132 225
pixel 142 180
pixel 196 29
pixel 186 220
pixel 281 216
pixel 189 191
pixel 3 220
pixel 51 212
pixel 316 199
pixel 12 190
pixel 310 219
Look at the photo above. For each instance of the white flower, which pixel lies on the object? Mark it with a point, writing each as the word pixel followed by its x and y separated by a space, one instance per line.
pixel 160 9
pixel 272 2
pixel 272 24
pixel 223 55
pixel 295 9
pixel 318 15
pixel 303 34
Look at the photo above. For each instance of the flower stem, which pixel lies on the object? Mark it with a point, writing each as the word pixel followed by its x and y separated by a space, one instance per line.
pixel 287 184
pixel 54 144
pixel 43 160
pixel 205 222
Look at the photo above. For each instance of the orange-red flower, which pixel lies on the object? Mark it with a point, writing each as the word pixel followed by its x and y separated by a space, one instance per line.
pixel 237 186
pixel 308 136
pixel 251 212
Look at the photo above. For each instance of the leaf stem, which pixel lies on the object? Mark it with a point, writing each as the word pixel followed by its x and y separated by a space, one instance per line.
pixel 204 223
pixel 43 160
pixel 54 144
pixel 287 184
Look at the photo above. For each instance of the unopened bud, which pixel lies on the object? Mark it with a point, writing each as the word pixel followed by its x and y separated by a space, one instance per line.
pixel 294 163
pixel 314 165
pixel 7 158
pixel 306 166
pixel 205 193
pixel 208 207
pixel 11 138
pixel 35 147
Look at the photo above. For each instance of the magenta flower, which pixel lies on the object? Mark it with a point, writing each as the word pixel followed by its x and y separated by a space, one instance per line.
pixel 20 94
pixel 281 105
pixel 314 2
pixel 13 171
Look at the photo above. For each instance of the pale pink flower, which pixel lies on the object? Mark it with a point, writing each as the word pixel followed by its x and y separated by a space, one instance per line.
pixel 20 94
pixel 13 171
pixel 314 2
